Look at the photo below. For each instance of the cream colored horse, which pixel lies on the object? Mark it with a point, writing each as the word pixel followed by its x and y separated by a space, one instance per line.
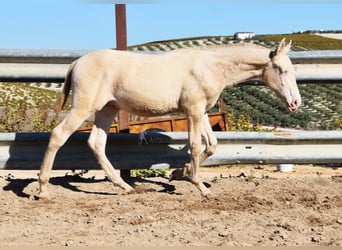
pixel 184 80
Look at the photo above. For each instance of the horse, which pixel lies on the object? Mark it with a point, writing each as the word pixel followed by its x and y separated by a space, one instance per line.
pixel 186 80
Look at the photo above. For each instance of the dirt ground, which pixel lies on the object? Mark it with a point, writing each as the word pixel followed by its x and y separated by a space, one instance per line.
pixel 254 205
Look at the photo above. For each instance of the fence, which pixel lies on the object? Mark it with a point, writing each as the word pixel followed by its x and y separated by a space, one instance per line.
pixel 164 150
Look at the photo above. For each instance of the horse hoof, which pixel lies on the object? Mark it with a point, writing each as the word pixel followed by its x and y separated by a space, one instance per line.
pixel 209 195
pixel 176 174
pixel 128 190
pixel 42 196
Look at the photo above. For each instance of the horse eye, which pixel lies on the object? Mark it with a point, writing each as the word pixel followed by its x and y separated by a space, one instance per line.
pixel 283 71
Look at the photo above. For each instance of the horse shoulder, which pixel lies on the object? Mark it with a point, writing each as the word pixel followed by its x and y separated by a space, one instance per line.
pixel 208 75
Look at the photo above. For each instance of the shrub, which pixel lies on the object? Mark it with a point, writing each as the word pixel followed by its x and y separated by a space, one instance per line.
pixel 27 109
pixel 338 123
pixel 13 118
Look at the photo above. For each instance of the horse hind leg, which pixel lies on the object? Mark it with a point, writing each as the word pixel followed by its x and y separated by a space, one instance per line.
pixel 58 137
pixel 97 143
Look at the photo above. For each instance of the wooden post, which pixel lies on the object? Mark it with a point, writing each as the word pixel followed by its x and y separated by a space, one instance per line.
pixel 121 44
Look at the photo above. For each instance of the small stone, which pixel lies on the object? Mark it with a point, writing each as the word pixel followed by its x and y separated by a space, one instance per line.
pixel 314 239
pixel 26 234
pixel 223 233
pixel 242 175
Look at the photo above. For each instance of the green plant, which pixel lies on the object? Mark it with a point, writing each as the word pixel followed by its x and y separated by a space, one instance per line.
pixel 13 117
pixel 215 179
pixel 146 173
pixel 251 177
pixel 44 119
pixel 242 122
pixel 338 123
pixel 25 108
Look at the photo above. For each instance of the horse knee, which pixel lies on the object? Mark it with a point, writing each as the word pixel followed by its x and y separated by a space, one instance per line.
pixel 57 138
pixel 97 147
pixel 195 149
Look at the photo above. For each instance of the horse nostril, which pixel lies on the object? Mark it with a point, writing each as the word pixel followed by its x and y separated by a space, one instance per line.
pixel 295 104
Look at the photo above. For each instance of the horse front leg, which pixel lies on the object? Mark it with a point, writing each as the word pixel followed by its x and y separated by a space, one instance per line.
pixel 209 139
pixel 210 148
pixel 195 142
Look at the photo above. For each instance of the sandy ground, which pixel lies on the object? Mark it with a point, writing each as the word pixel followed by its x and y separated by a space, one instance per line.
pixel 254 205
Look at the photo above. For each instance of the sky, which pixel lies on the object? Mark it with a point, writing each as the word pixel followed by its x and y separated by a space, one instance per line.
pixel 90 24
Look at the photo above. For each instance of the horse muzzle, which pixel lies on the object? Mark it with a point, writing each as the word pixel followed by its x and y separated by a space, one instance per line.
pixel 294 105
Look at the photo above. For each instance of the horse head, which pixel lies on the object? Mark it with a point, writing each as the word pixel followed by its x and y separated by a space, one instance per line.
pixel 279 75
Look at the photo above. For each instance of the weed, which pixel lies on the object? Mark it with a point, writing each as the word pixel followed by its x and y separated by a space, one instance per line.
pixel 42 119
pixel 242 122
pixel 13 118
pixel 25 108
pixel 146 173
pixel 250 177
pixel 338 123
pixel 215 179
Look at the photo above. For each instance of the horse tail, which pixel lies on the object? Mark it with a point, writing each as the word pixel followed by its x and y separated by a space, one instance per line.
pixel 62 99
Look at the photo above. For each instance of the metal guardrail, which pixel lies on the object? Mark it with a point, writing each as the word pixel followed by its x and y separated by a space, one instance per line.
pixel 21 65
pixel 164 150
pixel 316 56
pixel 40 56
pixel 52 65
pixel 67 56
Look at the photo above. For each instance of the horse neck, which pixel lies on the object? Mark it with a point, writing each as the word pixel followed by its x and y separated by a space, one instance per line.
pixel 239 64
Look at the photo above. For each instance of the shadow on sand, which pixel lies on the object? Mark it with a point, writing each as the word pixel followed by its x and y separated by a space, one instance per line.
pixel 70 182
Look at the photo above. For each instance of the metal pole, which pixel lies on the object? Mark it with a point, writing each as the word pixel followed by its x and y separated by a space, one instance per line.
pixel 121 44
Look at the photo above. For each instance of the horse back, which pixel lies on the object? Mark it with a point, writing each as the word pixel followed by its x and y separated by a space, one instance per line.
pixel 143 84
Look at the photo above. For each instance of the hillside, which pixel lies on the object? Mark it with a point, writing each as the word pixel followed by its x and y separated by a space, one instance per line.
pixel 309 41
pixel 322 108
pixel 299 42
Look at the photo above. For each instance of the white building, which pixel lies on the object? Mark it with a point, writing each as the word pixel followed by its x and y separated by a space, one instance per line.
pixel 243 35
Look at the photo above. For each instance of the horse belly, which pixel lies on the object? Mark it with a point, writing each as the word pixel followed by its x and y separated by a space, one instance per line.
pixel 148 105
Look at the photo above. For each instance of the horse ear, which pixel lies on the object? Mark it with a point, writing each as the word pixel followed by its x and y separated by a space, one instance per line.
pixel 288 46
pixel 281 46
